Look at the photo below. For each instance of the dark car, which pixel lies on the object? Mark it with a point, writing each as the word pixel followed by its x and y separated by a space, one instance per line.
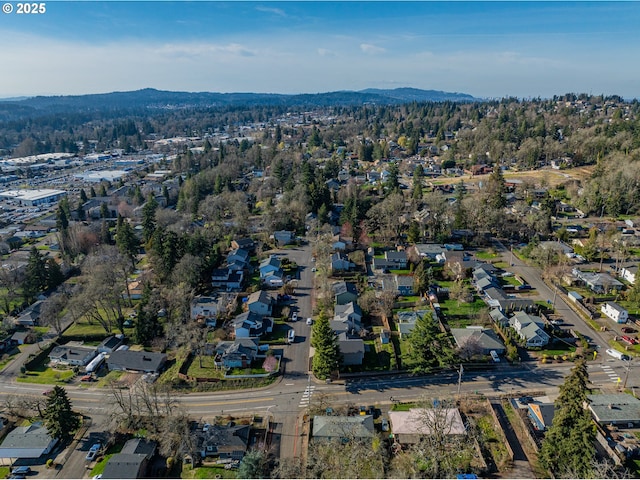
pixel 628 330
pixel 21 471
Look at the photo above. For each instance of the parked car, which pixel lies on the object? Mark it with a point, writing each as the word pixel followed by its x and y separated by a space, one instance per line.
pixel 628 330
pixel 384 425
pixel 93 452
pixel 309 321
pixel 21 471
pixel 628 339
pixel 86 378
pixel 291 336
pixel 294 317
pixel 363 410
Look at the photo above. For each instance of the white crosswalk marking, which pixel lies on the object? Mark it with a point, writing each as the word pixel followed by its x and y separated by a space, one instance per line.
pixel 306 396
pixel 611 373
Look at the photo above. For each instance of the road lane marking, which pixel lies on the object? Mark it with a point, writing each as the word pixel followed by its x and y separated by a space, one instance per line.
pixel 211 404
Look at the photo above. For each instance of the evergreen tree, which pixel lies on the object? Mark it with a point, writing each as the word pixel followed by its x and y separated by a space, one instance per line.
pixel 149 218
pixel 35 279
pixel 568 448
pixel 59 419
pixel 83 196
pixel 460 215
pixel 62 220
pixel 496 190
pixel 253 465
pixel 104 210
pixel 126 240
pixel 422 277
pixel 327 357
pixel 428 346
pixel 148 326
pixel 92 192
pixel 392 184
pixel 55 277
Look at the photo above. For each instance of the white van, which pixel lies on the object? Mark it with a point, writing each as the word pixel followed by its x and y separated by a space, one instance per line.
pixel 291 336
pixel 616 354
pixel 495 356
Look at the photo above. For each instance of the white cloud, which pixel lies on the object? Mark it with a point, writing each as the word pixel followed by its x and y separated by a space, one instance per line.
pixel 276 11
pixel 371 49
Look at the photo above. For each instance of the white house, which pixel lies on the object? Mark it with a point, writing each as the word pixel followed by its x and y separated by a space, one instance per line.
pixel 615 312
pixel 629 274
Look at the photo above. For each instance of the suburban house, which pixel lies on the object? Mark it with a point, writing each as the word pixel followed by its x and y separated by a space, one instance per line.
pixel 340 244
pixel 340 263
pixel 407 320
pixel 429 250
pixel 619 409
pixel 260 302
pixel 499 317
pixel 134 291
pixel 485 338
pixel 598 282
pixel 250 324
pixel 398 259
pixel 497 298
pixel 273 280
pixel 236 354
pixel 530 328
pixel 409 427
pixel 31 441
pixel 560 247
pixel 25 337
pixel 110 344
pixel 227 279
pixel 132 461
pixel 629 273
pixel 541 415
pixel 284 237
pixel 129 360
pixel 351 349
pixel 205 308
pixel 270 265
pixel 31 315
pixel 245 243
pixel 223 441
pixel 342 427
pixel 382 264
pixel 615 312
pixel 404 284
pixel 239 256
pixel 71 355
pixel 344 292
pixel 347 317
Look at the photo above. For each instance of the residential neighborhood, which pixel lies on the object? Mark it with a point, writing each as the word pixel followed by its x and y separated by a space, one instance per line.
pixel 275 292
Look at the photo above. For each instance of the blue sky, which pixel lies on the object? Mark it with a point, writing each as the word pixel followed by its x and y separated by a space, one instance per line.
pixel 486 49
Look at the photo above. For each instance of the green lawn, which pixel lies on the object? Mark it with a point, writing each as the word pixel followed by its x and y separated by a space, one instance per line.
pixel 4 472
pixel 6 358
pixel 208 472
pixel 82 327
pixel 208 369
pixel 492 441
pixel 510 281
pixel 405 271
pixel 453 308
pixel 46 376
pixel 484 255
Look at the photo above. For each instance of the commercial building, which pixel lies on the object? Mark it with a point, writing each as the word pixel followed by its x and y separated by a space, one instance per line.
pixel 33 198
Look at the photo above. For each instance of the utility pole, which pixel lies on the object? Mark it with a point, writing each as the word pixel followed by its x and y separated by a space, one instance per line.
pixel 460 378
pixel 626 375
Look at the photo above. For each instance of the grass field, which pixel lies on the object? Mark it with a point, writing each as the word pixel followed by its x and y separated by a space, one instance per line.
pixel 208 472
pixel 207 370
pixel 46 376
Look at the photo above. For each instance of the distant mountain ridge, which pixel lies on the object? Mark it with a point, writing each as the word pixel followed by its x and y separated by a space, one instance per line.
pixel 152 98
